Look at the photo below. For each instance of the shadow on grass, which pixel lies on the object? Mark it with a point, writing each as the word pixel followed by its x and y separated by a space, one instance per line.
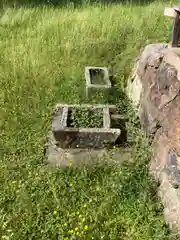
pixel 116 95
pixel 75 3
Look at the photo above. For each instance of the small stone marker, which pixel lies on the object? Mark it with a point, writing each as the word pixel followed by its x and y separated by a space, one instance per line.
pixel 97 78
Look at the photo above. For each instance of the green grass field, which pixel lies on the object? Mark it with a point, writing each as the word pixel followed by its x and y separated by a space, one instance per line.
pixel 42 59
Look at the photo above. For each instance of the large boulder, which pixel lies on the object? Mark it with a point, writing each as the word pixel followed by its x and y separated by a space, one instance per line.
pixel 157 78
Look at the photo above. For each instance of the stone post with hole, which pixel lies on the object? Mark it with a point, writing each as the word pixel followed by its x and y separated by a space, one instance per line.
pixel 174 12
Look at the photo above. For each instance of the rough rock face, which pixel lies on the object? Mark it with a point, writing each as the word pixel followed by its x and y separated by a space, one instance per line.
pixel 158 96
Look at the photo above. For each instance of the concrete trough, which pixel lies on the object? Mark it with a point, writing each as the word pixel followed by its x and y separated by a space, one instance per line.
pixel 97 80
pixel 69 136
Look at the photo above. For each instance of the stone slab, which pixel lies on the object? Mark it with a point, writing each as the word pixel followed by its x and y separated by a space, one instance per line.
pixel 59 157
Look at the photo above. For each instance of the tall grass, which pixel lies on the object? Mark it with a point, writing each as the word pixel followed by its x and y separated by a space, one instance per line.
pixel 42 59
